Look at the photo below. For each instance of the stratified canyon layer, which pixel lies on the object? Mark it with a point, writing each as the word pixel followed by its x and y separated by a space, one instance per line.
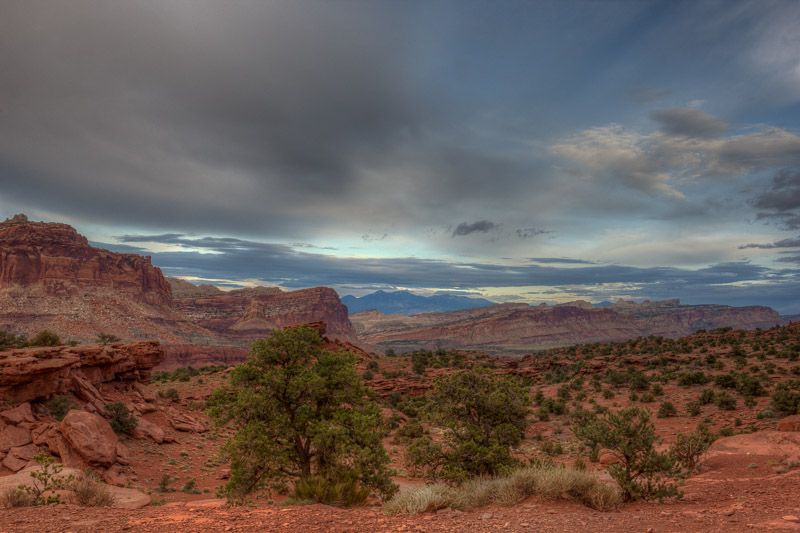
pixel 516 328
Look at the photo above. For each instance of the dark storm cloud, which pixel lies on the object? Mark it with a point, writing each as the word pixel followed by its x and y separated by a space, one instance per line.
pixel 199 115
pixel 688 122
pixel 480 226
pixel 528 233
pixel 783 243
pixel 783 194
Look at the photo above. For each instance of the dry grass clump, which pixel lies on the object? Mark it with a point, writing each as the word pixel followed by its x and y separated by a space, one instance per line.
pixel 90 491
pixel 16 497
pixel 547 481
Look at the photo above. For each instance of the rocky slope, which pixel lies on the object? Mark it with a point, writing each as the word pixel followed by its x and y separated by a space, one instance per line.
pixel 50 278
pixel 520 327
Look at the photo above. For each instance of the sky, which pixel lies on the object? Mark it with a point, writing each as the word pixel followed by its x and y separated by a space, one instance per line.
pixel 525 151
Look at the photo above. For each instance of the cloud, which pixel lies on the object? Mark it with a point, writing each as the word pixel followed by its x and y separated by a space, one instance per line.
pixel 529 233
pixel 688 122
pixel 783 243
pixel 562 260
pixel 654 162
pixel 481 226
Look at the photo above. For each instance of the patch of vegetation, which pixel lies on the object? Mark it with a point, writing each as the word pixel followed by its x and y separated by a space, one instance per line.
pixel 58 406
pixel 483 416
pixel 299 411
pixel 121 420
pixel 45 338
pixel 642 473
pixel 545 480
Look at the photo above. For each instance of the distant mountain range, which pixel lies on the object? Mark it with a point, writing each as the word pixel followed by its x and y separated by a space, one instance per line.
pixel 407 303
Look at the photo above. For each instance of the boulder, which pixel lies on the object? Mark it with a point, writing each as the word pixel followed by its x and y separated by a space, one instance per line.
pixel 19 457
pixel 13 436
pixel 147 394
pixel 790 423
pixel 115 476
pixel 183 422
pixel 147 430
pixel 91 437
pixel 17 415
pixel 123 454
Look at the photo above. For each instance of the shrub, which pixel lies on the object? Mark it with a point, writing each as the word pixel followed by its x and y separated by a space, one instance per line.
pixel 122 420
pixel 690 448
pixel 163 484
pixel 106 338
pixel 725 401
pixel 90 491
pixel 552 447
pixel 667 409
pixel 299 411
pixel 190 487
pixel 483 416
pixel 46 479
pixel 16 497
pixel 170 394
pixel 10 340
pixel 643 473
pixel 786 397
pixel 58 406
pixel 45 338
pixel 693 378
pixel 706 397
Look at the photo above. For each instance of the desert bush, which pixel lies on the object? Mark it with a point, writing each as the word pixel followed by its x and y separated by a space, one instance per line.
pixel 545 480
pixel 58 406
pixel 667 409
pixel 90 491
pixel 16 497
pixel 693 378
pixel 10 340
pixel 45 479
pixel 45 338
pixel 121 420
pixel 643 473
pixel 691 447
pixel 725 401
pixel 163 484
pixel 190 487
pixel 786 397
pixel 107 338
pixel 706 397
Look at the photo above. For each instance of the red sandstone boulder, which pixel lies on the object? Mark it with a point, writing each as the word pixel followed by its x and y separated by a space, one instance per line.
pixel 19 457
pixel 147 430
pixel 17 415
pixel 13 436
pixel 91 437
pixel 790 423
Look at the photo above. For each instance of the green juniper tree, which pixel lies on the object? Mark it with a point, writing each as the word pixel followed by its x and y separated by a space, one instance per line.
pixel 300 411
pixel 483 415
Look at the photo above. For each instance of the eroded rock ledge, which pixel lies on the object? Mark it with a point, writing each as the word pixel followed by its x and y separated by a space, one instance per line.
pixel 33 373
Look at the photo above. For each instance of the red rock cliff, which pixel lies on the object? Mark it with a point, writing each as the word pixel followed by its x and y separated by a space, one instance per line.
pixel 54 260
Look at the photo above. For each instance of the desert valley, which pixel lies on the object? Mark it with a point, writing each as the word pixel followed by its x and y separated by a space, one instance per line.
pixel 364 266
pixel 159 347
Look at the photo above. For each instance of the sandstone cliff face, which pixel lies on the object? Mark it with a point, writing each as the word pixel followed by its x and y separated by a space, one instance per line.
pixel 31 373
pixel 279 310
pixel 54 260
pixel 520 327
pixel 50 278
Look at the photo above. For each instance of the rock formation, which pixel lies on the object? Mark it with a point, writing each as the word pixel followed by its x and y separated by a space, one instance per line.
pixel 51 278
pixel 52 259
pixel 520 327
pixel 32 373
